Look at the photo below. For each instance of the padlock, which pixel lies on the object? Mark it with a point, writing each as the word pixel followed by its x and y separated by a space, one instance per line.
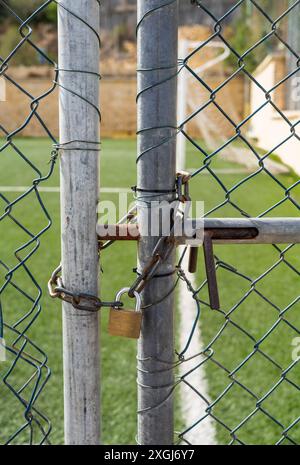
pixel 125 323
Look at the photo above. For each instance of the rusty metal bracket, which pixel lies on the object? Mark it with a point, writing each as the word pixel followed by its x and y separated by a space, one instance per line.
pixel 216 230
pixel 118 232
pixel 131 232
pixel 210 235
pixel 211 274
pixel 182 186
pixel 164 245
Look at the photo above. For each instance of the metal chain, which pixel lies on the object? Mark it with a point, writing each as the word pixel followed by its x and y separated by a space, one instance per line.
pixel 164 245
pixel 80 301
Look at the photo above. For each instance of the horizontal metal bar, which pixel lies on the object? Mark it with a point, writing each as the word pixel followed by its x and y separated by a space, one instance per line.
pixel 231 230
pixel 222 230
pixel 118 232
pixel 231 233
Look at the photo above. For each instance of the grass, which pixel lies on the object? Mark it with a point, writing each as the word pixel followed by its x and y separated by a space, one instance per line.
pixel 255 314
pixel 118 361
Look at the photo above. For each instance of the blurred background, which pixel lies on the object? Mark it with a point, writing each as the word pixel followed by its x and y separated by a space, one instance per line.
pixel 269 62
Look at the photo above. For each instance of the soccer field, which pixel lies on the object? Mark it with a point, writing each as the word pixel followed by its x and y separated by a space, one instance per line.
pixel 256 315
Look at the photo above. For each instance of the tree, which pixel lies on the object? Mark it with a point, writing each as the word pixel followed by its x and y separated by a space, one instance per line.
pixel 25 8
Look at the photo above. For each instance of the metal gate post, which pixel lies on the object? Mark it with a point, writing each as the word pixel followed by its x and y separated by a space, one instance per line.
pixel 157 121
pixel 78 25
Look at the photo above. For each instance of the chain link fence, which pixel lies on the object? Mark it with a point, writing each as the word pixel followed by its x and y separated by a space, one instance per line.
pixel 242 386
pixel 24 220
pixel 237 376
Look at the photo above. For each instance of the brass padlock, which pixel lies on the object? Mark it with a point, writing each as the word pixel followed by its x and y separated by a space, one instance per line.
pixel 125 323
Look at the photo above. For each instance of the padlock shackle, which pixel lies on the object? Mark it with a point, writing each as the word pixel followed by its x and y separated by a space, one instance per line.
pixel 137 296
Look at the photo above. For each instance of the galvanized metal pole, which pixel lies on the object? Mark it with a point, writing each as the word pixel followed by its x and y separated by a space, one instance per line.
pixel 79 134
pixel 157 121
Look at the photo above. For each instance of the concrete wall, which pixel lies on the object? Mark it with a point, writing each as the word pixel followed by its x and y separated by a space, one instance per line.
pixel 268 126
pixel 231 98
pixel 118 103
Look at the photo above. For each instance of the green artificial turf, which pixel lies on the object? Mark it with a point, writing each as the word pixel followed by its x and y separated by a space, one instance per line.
pixel 255 315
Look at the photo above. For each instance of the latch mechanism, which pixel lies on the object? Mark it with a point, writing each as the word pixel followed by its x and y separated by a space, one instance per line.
pixel 210 235
pixel 217 231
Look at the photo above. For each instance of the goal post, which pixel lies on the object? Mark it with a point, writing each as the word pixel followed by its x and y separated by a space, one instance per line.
pixel 186 48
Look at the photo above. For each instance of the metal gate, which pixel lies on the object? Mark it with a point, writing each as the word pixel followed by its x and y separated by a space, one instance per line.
pixel 232 375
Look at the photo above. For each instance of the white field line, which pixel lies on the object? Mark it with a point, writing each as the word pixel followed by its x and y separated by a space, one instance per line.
pixel 192 406
pixel 223 171
pixel 105 190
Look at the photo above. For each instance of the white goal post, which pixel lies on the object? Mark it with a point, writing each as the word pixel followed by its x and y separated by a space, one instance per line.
pixel 185 47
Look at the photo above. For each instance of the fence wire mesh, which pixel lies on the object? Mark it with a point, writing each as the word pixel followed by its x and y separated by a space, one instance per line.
pixel 25 372
pixel 242 387
pixel 237 371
